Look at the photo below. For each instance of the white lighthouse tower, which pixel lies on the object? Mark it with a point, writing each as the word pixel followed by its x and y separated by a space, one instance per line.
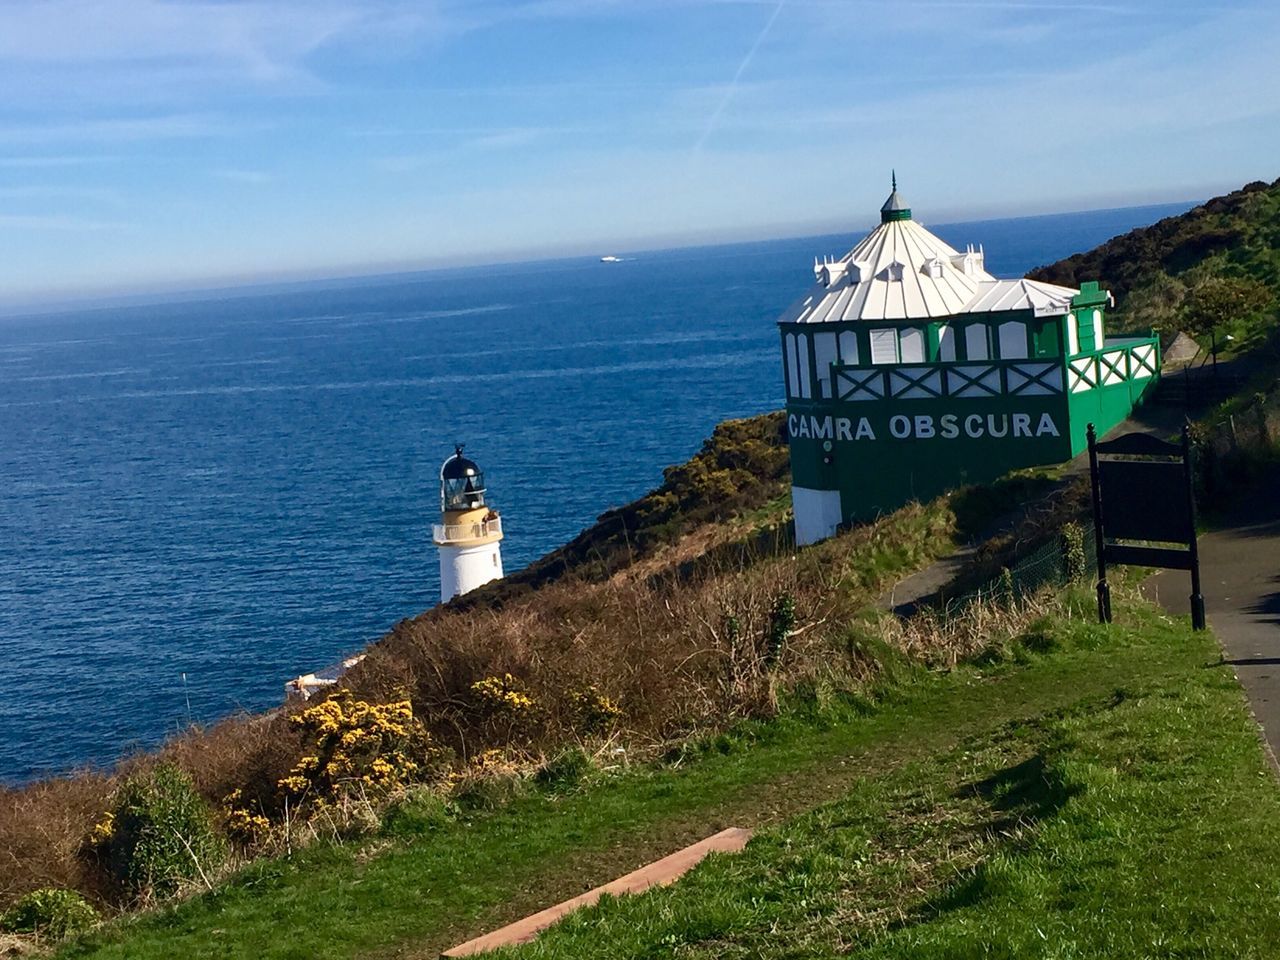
pixel 469 532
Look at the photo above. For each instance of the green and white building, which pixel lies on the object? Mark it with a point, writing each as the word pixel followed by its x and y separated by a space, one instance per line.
pixel 910 370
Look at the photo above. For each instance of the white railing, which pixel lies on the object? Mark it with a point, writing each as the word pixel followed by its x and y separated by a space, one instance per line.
pixel 450 532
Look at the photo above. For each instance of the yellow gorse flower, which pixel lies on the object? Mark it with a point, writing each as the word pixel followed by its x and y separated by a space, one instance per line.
pixel 503 694
pixel 357 743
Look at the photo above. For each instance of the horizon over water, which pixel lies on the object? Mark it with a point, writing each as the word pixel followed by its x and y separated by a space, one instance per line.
pixel 240 488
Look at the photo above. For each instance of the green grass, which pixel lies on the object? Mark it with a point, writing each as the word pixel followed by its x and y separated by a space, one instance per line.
pixel 1139 823
pixel 443 877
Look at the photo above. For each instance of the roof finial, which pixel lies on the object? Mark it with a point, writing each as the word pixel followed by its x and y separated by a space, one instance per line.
pixel 457 450
pixel 895 180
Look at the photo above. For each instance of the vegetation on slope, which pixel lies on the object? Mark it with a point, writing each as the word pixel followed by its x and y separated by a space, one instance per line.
pixel 446 697
pixel 1087 781
pixel 741 467
pixel 1215 267
pixel 1136 823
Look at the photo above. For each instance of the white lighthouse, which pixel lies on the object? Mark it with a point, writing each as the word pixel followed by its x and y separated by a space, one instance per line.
pixel 469 533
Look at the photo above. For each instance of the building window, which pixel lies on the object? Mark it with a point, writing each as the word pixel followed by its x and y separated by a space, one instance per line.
pixel 793 372
pixel 975 342
pixel 824 355
pixel 849 348
pixel 1013 340
pixel 946 342
pixel 1098 341
pixel 1073 335
pixel 802 355
pixel 884 346
pixel 912 345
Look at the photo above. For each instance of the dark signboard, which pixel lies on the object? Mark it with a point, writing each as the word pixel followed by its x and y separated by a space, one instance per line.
pixel 1144 510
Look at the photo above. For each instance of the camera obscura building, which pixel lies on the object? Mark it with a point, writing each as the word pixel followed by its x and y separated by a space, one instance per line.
pixel 911 370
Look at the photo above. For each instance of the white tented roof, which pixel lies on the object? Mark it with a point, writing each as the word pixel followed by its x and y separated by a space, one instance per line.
pixel 901 271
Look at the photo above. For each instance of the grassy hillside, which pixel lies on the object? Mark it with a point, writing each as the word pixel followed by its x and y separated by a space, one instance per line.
pixel 1077 790
pixel 1163 274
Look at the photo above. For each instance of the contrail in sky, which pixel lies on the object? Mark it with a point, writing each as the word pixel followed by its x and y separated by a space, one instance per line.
pixel 733 84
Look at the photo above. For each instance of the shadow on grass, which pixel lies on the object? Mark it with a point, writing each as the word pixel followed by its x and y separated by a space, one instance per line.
pixel 1020 795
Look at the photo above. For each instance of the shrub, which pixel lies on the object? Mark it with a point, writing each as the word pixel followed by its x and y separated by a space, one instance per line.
pixel 51 913
pixel 243 821
pixel 565 771
pixel 1074 561
pixel 782 619
pixel 159 836
pixel 592 711
pixel 502 695
pixel 357 748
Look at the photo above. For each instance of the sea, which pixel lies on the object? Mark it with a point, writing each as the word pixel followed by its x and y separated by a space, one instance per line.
pixel 202 499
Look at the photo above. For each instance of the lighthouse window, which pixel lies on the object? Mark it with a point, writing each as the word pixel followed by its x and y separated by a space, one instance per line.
pixel 912 346
pixel 975 342
pixel 946 342
pixel 849 348
pixel 1013 340
pixel 884 346
pixel 824 355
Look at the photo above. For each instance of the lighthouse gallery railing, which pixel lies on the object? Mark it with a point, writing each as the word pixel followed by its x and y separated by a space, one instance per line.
pixel 450 532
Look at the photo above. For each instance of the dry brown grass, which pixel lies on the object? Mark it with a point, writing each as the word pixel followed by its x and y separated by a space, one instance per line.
pixel 678 654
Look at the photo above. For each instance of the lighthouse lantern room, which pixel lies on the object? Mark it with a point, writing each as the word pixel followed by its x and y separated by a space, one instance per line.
pixel 469 533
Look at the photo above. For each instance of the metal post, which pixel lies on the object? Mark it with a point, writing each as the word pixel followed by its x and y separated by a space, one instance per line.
pixel 1104 590
pixel 1197 598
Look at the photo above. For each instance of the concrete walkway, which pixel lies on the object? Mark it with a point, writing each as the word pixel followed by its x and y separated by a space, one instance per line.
pixel 1240 577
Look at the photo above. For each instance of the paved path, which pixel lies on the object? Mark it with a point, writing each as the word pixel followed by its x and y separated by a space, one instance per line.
pixel 1240 577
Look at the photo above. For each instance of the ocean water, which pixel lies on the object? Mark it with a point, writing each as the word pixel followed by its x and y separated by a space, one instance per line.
pixel 240 489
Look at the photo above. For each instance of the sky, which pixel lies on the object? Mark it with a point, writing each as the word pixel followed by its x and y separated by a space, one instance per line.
pixel 150 144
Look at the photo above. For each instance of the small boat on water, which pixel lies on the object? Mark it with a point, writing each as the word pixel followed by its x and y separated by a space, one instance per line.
pixel 610 259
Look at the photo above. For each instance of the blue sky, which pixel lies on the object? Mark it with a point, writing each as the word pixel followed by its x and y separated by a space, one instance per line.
pixel 150 143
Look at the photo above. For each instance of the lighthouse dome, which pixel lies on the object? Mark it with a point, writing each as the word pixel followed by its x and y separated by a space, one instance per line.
pixel 461 483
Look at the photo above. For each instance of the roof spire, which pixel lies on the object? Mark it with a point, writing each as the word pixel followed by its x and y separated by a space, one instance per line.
pixel 895 208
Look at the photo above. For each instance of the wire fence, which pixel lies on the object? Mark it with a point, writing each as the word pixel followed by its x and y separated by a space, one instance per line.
pixel 1244 435
pixel 1069 557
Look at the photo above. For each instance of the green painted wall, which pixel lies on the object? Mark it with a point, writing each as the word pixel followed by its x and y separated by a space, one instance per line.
pixel 881 453
pixel 889 452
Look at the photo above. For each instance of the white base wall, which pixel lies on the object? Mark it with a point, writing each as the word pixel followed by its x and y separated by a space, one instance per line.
pixel 462 569
pixel 817 514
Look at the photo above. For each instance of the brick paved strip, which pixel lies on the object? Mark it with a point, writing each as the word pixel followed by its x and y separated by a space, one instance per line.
pixel 659 873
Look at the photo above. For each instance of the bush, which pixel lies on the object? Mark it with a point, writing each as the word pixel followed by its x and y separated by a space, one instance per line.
pixel 358 750
pixel 51 913
pixel 1075 564
pixel 159 836
pixel 564 772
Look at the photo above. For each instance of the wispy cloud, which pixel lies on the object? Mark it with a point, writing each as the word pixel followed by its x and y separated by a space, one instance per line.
pixel 252 177
pixel 260 38
pixel 737 77
pixel 119 129
pixel 54 161
pixel 44 192
pixel 57 222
